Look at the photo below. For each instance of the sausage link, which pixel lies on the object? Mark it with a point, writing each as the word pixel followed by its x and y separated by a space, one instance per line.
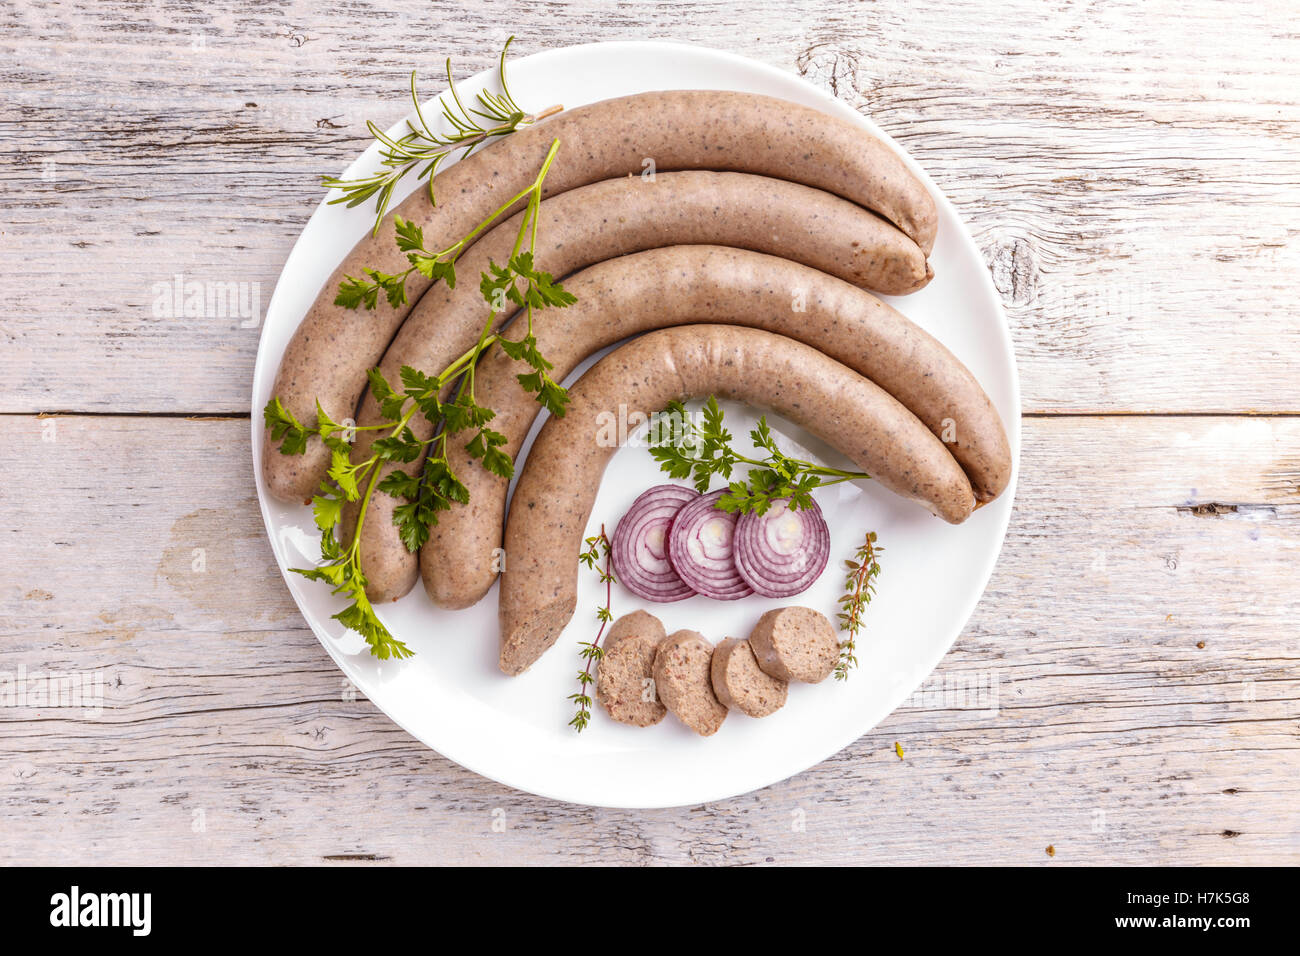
pixel 681 285
pixel 557 488
pixel 605 220
pixel 327 357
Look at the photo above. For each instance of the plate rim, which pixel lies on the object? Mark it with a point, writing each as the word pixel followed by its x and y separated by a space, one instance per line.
pixel 827 103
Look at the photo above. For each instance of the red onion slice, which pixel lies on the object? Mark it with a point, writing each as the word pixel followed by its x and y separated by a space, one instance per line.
pixel 639 548
pixel 781 553
pixel 700 548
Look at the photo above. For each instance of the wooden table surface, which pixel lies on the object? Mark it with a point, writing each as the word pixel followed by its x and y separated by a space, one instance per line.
pixel 1130 170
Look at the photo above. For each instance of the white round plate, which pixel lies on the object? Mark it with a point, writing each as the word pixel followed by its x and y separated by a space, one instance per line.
pixel 514 730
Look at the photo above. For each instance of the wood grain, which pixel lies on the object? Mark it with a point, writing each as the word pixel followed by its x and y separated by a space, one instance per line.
pixel 1128 168
pixel 1130 171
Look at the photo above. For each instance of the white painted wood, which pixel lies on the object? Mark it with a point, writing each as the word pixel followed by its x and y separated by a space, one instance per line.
pixel 1130 170
pixel 218 701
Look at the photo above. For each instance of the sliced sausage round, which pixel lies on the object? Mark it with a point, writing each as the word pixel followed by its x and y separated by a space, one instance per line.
pixel 625 684
pixel 795 643
pixel 682 678
pixel 741 684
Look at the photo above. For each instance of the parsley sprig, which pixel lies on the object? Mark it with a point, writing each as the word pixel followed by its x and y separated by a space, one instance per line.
pixel 598 548
pixel 859 588
pixel 497 114
pixel 446 398
pixel 699 450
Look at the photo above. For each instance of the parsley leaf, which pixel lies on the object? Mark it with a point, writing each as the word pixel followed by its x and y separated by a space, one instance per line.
pixel 327 511
pixel 353 293
pixel 465 413
pixel 405 447
pixel 390 402
pixel 410 237
pixel 360 617
pixel 285 428
pixel 422 497
pixel 485 445
pixel 542 289
pixel 702 450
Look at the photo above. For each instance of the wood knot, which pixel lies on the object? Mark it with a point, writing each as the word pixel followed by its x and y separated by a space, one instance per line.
pixel 831 68
pixel 1208 508
pixel 1014 266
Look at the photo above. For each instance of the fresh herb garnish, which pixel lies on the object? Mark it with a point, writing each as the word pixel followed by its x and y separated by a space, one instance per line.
pixel 422 145
pixel 518 282
pixel 597 549
pixel 859 589
pixel 700 450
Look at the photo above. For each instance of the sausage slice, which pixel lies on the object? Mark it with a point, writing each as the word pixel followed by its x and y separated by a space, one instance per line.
pixel 741 684
pixel 795 643
pixel 625 684
pixel 682 678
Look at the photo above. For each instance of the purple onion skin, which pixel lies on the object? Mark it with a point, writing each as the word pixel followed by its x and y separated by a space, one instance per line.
pixel 654 580
pixel 715 576
pixel 774 574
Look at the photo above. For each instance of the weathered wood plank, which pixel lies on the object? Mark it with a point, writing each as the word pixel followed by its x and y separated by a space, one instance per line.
pixel 228 736
pixel 1129 169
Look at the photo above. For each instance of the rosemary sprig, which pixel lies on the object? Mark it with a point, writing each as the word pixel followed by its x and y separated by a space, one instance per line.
pixel 519 282
pixel 701 450
pixel 497 114
pixel 859 589
pixel 597 548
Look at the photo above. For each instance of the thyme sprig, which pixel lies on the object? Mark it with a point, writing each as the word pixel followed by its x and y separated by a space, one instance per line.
pixel 518 282
pixel 700 450
pixel 598 548
pixel 859 589
pixel 497 114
